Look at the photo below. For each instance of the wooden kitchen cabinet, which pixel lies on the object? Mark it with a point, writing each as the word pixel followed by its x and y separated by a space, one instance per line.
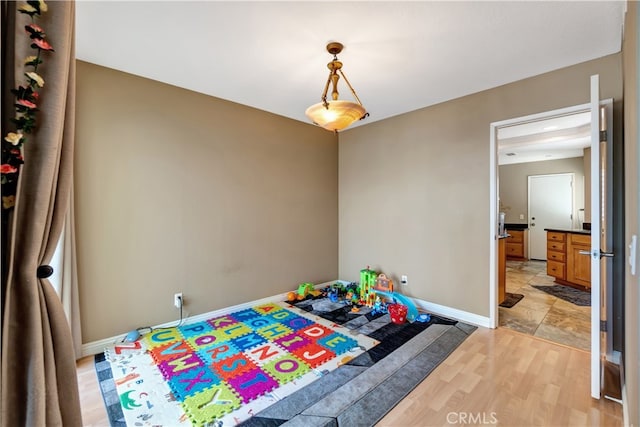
pixel 579 265
pixel 516 245
pixel 564 261
pixel 556 254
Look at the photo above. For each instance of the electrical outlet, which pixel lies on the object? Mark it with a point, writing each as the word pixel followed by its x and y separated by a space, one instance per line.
pixel 403 280
pixel 177 300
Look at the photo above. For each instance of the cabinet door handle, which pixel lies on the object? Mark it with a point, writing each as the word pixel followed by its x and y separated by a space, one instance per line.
pixel 584 252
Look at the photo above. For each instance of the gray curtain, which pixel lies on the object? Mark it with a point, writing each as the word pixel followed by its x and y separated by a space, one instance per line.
pixel 39 382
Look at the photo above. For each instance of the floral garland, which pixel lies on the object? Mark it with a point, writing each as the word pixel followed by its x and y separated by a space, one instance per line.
pixel 25 104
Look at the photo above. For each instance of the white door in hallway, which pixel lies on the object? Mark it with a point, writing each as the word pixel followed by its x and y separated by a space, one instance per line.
pixel 550 206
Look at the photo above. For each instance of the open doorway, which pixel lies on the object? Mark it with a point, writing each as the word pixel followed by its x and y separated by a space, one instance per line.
pixel 541 186
pixel 586 254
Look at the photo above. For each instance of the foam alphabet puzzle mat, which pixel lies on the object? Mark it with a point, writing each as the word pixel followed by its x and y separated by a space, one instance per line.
pixel 222 370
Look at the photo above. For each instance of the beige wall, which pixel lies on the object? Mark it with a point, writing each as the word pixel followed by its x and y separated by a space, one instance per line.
pixel 181 192
pixel 514 185
pixel 414 189
pixel 632 300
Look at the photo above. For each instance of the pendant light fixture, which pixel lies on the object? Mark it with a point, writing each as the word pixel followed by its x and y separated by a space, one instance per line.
pixel 336 114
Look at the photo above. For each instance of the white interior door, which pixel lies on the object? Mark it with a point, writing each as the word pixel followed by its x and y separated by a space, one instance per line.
pixel 550 206
pixel 601 230
pixel 596 362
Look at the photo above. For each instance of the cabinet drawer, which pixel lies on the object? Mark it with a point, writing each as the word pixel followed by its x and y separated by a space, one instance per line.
pixel 556 269
pixel 556 256
pixel 554 236
pixel 581 239
pixel 516 236
pixel 515 250
pixel 555 246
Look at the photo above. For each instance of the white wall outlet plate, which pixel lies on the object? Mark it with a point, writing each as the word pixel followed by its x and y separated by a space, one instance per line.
pixel 177 300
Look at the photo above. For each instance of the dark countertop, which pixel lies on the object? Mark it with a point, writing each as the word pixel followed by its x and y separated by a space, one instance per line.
pixel 516 226
pixel 569 230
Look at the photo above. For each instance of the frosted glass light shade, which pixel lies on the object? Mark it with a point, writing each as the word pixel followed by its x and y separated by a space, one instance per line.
pixel 338 116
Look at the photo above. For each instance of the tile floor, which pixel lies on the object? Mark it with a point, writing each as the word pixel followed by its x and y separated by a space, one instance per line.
pixel 540 314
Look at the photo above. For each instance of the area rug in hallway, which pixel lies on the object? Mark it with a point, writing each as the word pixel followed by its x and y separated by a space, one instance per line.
pixel 567 293
pixel 387 362
pixel 511 300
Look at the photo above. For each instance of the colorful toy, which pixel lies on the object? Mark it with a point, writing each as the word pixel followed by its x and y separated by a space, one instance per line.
pixel 374 291
pixel 424 318
pixel 367 283
pixel 305 289
pixel 373 284
pixel 379 307
pixel 398 313
pixel 412 311
pixel 383 283
pixel 333 295
pixel 351 298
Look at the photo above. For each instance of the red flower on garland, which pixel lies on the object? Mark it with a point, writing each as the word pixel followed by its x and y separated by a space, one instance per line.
pixel 34 29
pixel 42 44
pixel 7 168
pixel 25 105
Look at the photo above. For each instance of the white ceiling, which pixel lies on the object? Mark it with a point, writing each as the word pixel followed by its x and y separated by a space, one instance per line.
pixel 550 139
pixel 399 56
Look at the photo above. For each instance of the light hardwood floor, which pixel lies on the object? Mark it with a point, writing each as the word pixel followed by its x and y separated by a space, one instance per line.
pixel 93 409
pixel 494 377
pixel 507 378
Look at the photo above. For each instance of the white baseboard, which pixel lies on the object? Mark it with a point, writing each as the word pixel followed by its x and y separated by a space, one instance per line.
pixel 96 347
pixel 99 346
pixel 453 313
